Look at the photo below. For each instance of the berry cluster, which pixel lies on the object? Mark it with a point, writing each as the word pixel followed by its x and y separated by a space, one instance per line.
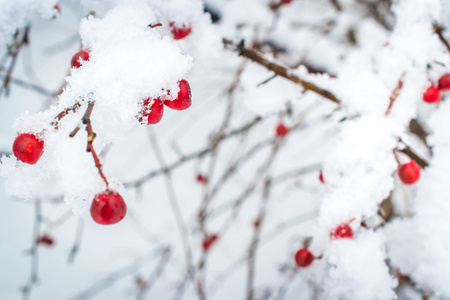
pixel 433 93
pixel 108 207
pixel 153 109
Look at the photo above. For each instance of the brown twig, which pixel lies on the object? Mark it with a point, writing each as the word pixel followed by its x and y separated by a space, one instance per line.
pixel 438 29
pixel 420 161
pixel 64 113
pixel 336 5
pixel 90 139
pixel 280 70
pixel 411 154
pixel 394 95
pixel 153 25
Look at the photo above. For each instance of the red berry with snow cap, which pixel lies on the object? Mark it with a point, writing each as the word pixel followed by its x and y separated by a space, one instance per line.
pixel 409 173
pixel 432 95
pixel 108 208
pixel 343 231
pixel 28 148
pixel 180 31
pixel 303 258
pixel 183 100
pixel 82 55
pixel 152 111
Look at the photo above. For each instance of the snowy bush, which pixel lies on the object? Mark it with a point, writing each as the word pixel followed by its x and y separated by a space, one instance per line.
pixel 257 149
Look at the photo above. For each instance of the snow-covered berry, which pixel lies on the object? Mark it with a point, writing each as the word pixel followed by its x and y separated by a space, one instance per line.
pixel 82 55
pixel 183 100
pixel 28 148
pixel 180 31
pixel 152 111
pixel 343 231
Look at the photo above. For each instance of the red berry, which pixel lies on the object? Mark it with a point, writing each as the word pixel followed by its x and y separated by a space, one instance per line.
pixel 201 179
pixel 343 231
pixel 285 1
pixel 432 95
pixel 82 55
pixel 28 148
pixel 180 32
pixel 257 223
pixel 108 208
pixel 409 172
pixel 209 241
pixel 444 82
pixel 303 258
pixel 152 111
pixel 281 130
pixel 44 240
pixel 321 177
pixel 183 100
pixel 57 8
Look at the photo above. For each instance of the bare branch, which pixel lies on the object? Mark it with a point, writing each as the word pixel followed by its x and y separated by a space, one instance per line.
pixel 280 70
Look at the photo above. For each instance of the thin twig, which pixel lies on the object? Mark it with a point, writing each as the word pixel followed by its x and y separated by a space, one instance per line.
pixel 280 70
pixel 14 50
pixel 33 87
pixel 77 242
pixel 26 291
pixel 256 239
pixel 90 139
pixel 151 280
pixel 189 157
pixel 394 95
pixel 182 228
pixel 438 29
pixel 111 279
